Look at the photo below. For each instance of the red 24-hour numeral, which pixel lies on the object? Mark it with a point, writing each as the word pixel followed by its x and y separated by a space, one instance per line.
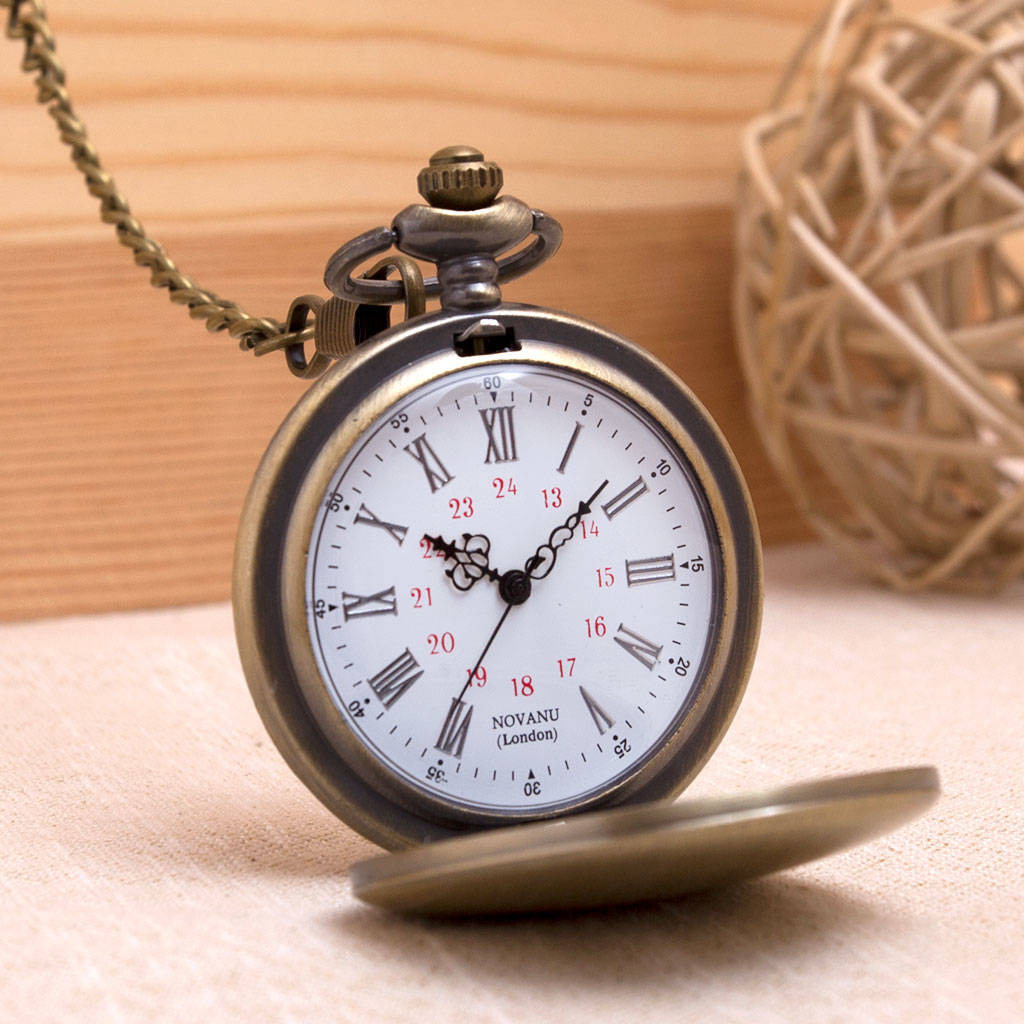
pixel 504 488
pixel 429 551
pixel 421 597
pixel 462 508
pixel 552 497
pixel 523 686
pixel 443 644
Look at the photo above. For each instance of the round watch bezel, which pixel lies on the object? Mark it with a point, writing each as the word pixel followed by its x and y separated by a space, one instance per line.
pixel 286 494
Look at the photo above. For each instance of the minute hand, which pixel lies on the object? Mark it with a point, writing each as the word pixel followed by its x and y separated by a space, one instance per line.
pixel 542 562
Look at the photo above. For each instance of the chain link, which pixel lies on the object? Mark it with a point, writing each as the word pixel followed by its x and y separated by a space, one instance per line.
pixel 26 20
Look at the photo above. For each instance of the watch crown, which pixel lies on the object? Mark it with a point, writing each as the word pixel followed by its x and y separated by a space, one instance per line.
pixel 459 178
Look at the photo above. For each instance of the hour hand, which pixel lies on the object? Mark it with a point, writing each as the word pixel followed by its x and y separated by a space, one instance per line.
pixel 472 559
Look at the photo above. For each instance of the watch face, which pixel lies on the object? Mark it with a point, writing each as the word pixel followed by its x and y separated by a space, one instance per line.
pixel 512 591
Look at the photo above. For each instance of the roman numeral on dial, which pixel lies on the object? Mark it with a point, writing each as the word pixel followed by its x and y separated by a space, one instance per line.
pixel 356 606
pixel 364 515
pixel 601 718
pixel 501 434
pixel 625 497
pixel 645 651
pixel 650 570
pixel 456 725
pixel 569 447
pixel 395 678
pixel 437 476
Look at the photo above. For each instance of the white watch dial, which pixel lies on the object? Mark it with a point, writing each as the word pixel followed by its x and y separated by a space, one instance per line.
pixel 531 652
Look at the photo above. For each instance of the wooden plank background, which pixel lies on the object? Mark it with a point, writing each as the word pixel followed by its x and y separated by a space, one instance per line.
pixel 253 139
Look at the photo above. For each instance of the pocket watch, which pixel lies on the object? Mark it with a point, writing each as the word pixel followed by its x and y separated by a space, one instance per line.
pixel 498 564
pixel 497 582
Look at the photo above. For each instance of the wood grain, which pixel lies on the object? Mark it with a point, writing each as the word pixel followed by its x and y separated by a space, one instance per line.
pixel 253 139
pixel 210 109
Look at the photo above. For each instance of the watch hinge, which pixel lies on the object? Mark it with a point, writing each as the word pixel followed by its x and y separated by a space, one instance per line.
pixel 486 337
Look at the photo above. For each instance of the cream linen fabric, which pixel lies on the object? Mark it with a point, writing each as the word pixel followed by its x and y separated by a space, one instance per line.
pixel 158 862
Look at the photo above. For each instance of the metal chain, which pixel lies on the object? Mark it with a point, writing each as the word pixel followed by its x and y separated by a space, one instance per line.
pixel 27 20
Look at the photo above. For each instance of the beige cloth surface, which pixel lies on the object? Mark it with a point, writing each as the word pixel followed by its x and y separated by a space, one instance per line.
pixel 158 861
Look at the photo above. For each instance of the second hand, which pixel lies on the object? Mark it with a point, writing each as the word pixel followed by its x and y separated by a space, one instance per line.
pixel 487 647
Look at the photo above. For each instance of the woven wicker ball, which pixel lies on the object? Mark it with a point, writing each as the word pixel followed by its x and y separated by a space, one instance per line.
pixel 880 288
